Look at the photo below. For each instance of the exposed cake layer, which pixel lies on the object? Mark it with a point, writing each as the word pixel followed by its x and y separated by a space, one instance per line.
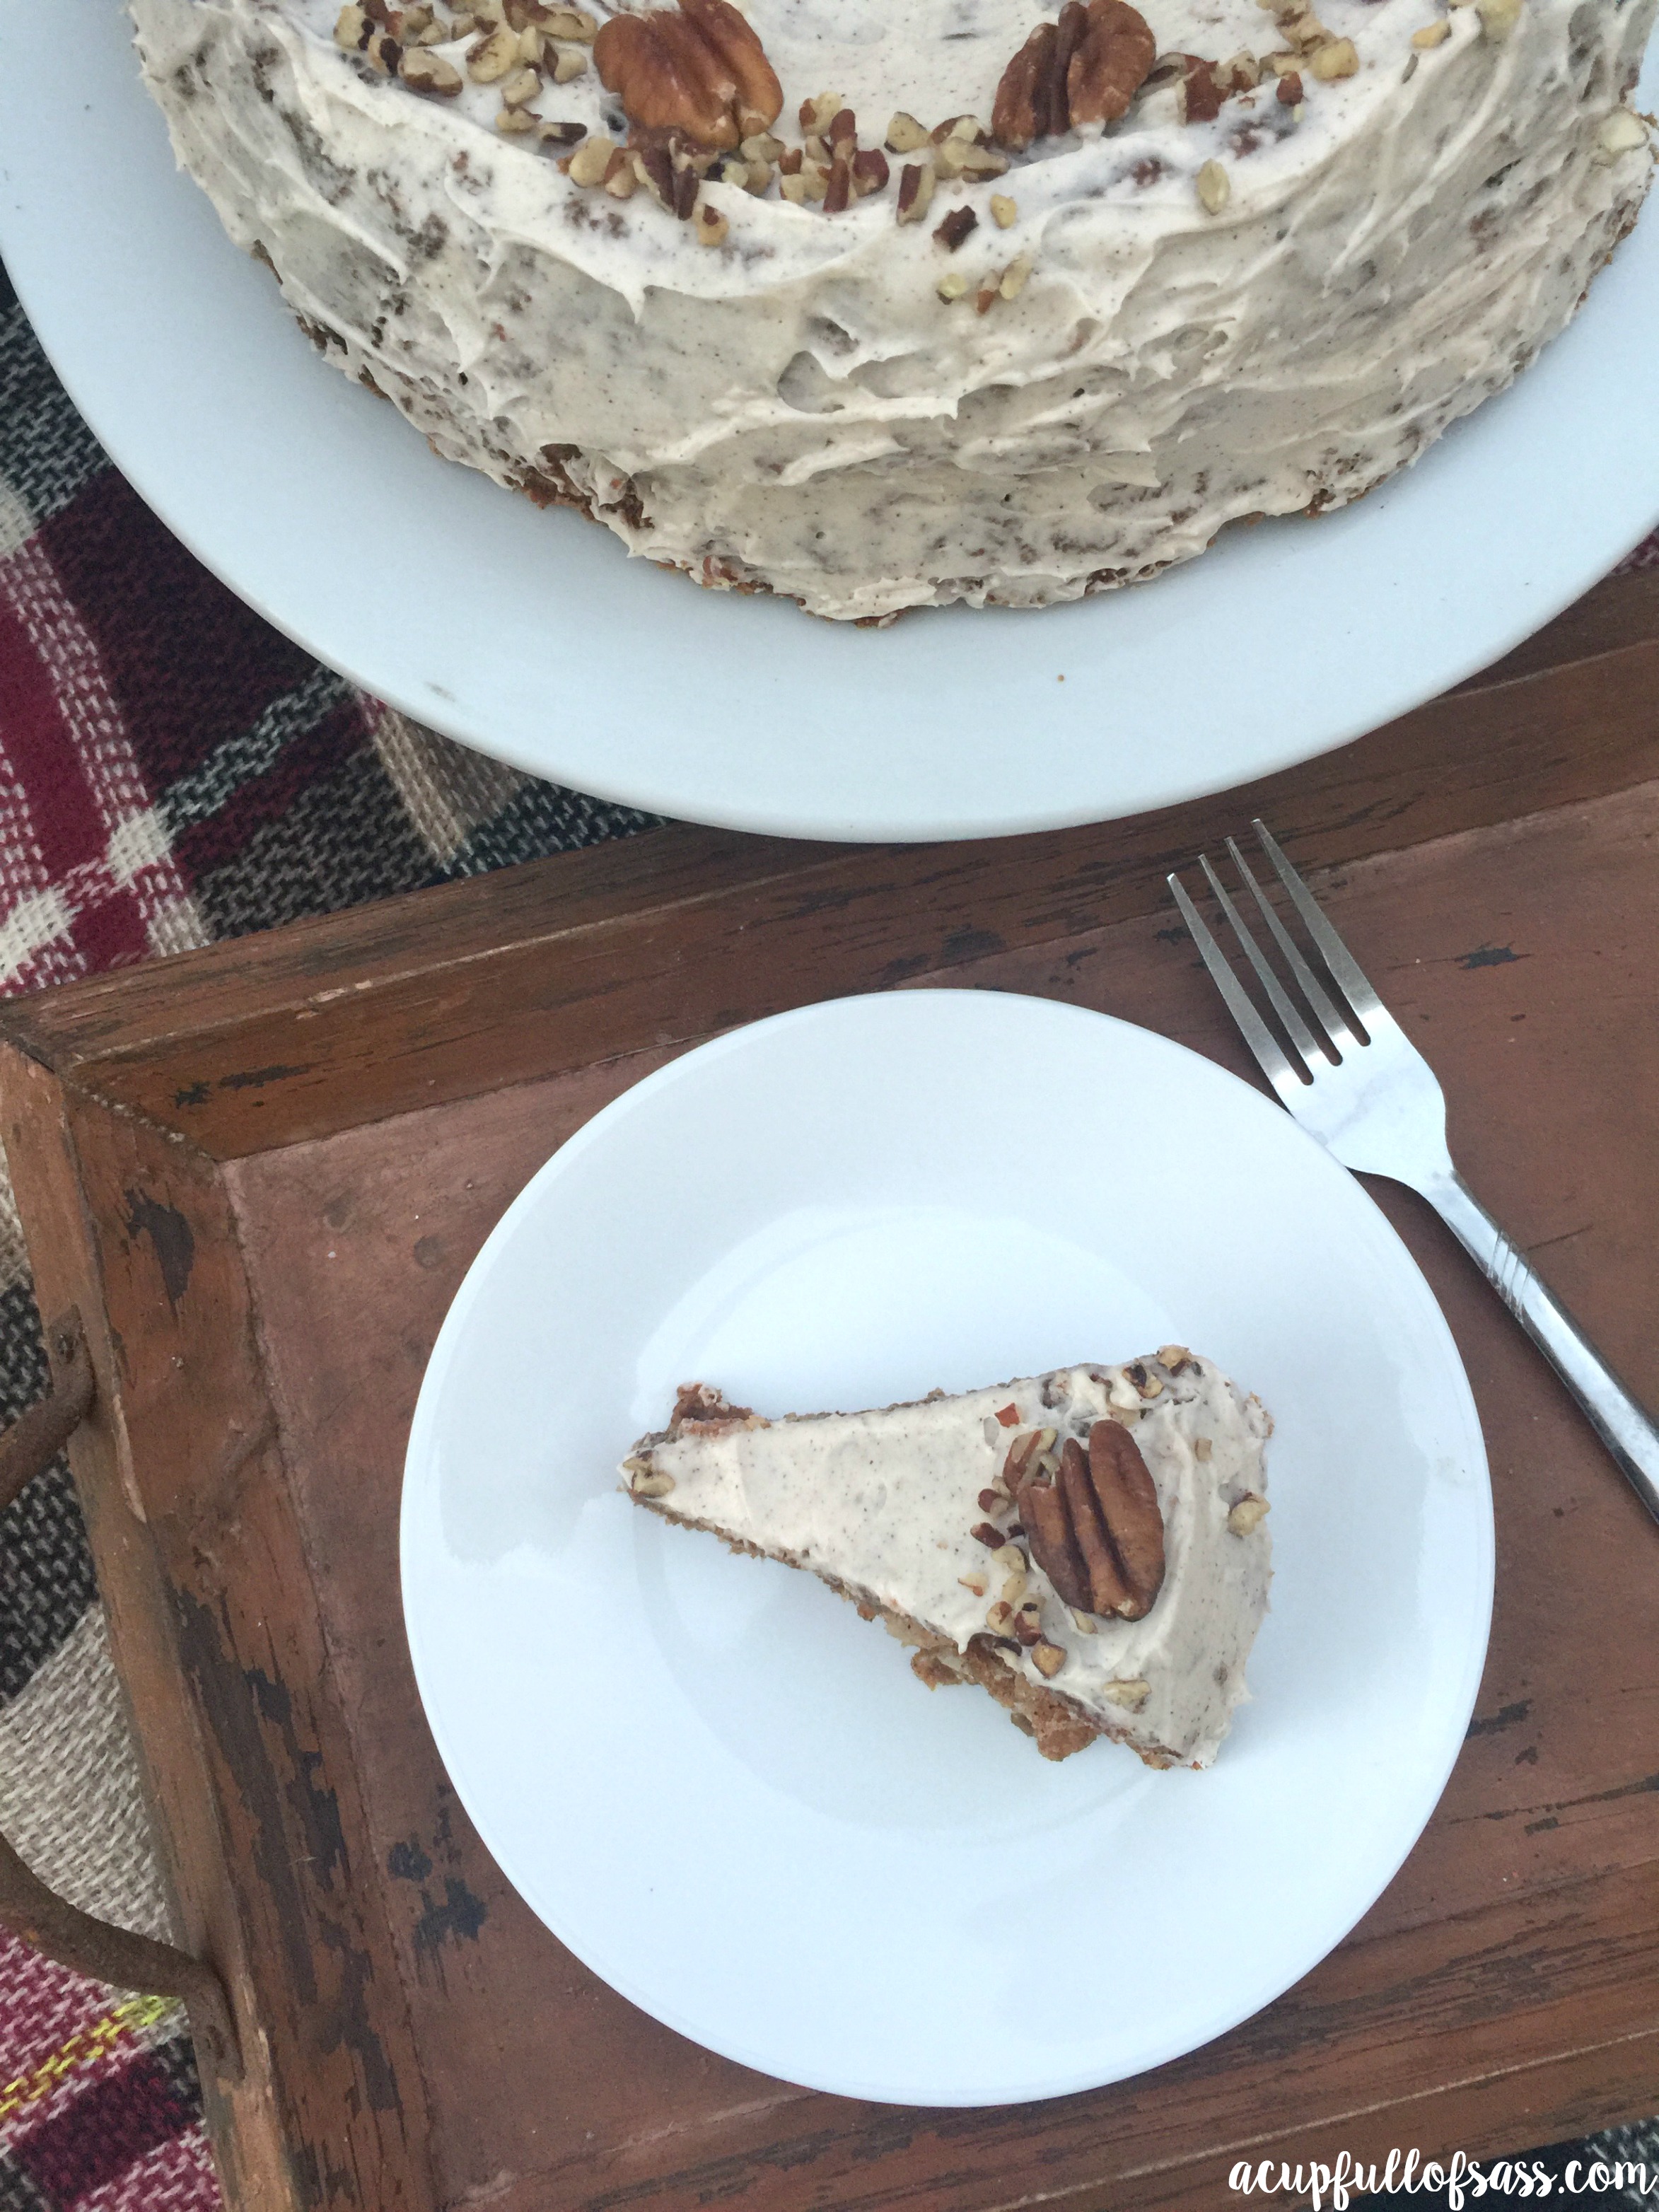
pixel 1188 321
pixel 898 1508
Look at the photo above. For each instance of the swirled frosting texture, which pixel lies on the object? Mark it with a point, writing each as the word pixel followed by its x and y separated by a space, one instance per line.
pixel 798 408
pixel 884 1504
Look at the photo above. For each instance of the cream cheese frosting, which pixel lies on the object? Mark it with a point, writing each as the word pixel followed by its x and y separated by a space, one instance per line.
pixel 884 1504
pixel 1266 313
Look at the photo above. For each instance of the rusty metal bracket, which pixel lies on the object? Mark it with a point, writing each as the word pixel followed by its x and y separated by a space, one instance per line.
pixel 47 1922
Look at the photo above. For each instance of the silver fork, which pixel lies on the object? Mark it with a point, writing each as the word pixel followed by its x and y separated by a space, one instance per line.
pixel 1371 1098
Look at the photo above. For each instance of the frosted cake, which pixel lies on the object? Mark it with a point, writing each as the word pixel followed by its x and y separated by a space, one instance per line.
pixel 1089 1546
pixel 887 303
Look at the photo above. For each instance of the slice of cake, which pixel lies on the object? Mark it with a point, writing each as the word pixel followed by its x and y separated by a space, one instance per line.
pixel 1088 1545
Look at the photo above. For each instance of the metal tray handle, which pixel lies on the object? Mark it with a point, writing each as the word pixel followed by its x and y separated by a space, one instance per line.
pixel 45 1921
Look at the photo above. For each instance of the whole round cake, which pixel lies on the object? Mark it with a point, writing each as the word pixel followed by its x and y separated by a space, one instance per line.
pixel 887 303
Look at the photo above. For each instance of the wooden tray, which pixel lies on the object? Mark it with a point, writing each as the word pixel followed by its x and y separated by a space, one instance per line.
pixel 260 1172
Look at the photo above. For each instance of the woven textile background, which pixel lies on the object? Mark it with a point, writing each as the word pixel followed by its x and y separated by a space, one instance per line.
pixel 172 771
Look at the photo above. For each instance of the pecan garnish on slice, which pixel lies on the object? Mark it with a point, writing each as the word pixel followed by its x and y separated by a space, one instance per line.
pixel 1094 1528
pixel 1086 68
pixel 697 68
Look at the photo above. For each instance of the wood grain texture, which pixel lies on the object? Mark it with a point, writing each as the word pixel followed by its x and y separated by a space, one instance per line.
pixel 566 962
pixel 203 1911
pixel 261 1172
pixel 216 1633
pixel 1505 1988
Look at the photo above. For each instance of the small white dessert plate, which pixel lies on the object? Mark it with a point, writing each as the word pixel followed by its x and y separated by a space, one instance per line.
pixel 727 1793
pixel 532 637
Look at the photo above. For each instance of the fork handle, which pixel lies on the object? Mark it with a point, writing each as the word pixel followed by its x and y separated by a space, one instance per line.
pixel 1624 1427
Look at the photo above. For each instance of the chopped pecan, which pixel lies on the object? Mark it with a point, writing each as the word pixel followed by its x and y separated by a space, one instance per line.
pixel 698 1410
pixel 430 73
pixel 494 57
pixel 957 226
pixel 1095 1528
pixel 915 190
pixel 1086 68
pixel 658 163
pixel 1132 1693
pixel 587 166
pixel 1200 90
pixel 1339 58
pixel 674 167
pixel 1022 1456
pixel 699 69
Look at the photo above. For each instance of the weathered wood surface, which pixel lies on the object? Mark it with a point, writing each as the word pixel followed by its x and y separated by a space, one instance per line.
pixel 260 1327
pixel 1506 1987
pixel 218 1639
pixel 561 963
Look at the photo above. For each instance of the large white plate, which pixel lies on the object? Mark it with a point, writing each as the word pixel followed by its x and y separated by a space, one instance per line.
pixel 726 1792
pixel 532 637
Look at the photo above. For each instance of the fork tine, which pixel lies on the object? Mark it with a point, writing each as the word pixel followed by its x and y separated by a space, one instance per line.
pixel 1336 1025
pixel 1338 958
pixel 1295 1028
pixel 1256 1033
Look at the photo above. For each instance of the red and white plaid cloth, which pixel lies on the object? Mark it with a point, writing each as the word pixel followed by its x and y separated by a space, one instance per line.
pixel 172 771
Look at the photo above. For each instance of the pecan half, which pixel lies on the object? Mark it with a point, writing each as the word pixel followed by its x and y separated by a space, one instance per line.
pixel 1123 1483
pixel 1086 68
pixel 1110 64
pixel 760 96
pixel 1030 100
pixel 1095 1530
pixel 698 68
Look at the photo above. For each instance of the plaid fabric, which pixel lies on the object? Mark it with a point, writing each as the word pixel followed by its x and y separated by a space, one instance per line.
pixel 172 771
